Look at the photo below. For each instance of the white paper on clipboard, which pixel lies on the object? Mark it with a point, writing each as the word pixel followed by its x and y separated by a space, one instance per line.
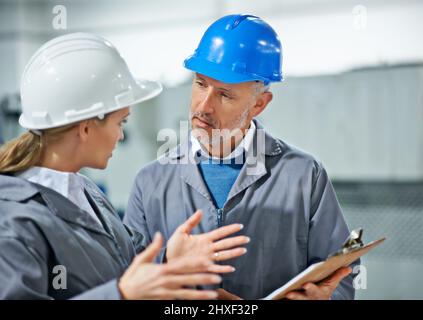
pixel 351 251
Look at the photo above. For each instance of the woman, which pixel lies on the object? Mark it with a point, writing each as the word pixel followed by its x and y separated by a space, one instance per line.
pixel 60 237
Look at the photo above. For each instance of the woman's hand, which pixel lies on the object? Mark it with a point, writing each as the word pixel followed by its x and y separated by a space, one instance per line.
pixel 211 245
pixel 145 280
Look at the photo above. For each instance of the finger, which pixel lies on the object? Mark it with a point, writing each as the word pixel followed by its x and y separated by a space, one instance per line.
pixel 177 281
pixel 151 252
pixel 225 295
pixel 190 294
pixel 191 222
pixel 217 268
pixel 229 254
pixel 314 292
pixel 188 265
pixel 225 231
pixel 296 295
pixel 230 243
pixel 337 276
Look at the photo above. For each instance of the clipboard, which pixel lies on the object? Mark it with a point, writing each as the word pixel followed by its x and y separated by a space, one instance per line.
pixel 352 249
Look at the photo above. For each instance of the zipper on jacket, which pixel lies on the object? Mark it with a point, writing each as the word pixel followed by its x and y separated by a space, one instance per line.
pixel 219 217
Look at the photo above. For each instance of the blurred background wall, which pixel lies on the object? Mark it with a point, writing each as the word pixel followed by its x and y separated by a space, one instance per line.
pixel 352 96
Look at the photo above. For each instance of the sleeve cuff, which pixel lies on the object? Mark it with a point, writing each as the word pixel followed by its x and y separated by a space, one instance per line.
pixel 107 291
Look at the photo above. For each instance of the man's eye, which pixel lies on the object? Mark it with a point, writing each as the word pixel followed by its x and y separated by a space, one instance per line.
pixel 123 122
pixel 199 83
pixel 225 95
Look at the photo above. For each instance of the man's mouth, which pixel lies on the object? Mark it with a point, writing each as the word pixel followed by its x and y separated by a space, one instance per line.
pixel 202 123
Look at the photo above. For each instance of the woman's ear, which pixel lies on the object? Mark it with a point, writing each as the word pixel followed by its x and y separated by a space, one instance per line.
pixel 84 128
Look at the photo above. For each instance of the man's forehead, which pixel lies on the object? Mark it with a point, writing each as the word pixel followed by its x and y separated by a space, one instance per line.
pixel 223 85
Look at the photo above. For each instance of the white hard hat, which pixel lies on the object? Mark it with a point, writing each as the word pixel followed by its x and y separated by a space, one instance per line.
pixel 76 77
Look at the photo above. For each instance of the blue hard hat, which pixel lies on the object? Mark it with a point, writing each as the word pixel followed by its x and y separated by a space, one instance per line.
pixel 238 48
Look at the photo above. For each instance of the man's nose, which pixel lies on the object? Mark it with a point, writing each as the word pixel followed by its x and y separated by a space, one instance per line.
pixel 206 104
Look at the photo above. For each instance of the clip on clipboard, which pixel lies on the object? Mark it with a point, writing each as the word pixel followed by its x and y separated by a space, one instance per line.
pixel 352 249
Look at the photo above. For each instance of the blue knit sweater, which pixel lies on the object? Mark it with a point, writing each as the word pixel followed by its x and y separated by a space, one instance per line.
pixel 219 178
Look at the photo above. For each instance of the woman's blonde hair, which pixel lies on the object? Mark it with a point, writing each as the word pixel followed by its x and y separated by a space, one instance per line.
pixel 25 151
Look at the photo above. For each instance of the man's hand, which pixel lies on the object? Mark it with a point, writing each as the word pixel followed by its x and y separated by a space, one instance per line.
pixel 210 244
pixel 222 294
pixel 323 290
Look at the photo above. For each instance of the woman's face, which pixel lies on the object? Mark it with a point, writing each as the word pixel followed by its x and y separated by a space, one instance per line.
pixel 104 137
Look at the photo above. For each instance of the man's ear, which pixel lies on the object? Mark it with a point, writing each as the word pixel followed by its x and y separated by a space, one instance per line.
pixel 84 128
pixel 262 102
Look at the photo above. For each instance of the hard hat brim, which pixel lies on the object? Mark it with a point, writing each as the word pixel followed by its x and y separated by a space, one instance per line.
pixel 144 90
pixel 219 72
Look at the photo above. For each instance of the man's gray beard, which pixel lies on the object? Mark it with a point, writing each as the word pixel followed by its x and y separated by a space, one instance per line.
pixel 218 136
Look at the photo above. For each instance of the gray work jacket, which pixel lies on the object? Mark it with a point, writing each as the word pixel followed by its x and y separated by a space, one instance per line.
pixel 286 203
pixel 51 249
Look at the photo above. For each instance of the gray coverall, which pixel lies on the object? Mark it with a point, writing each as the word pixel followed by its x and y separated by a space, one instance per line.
pixel 43 234
pixel 288 208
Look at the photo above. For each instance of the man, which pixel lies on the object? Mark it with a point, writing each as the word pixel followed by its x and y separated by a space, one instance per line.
pixel 234 171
